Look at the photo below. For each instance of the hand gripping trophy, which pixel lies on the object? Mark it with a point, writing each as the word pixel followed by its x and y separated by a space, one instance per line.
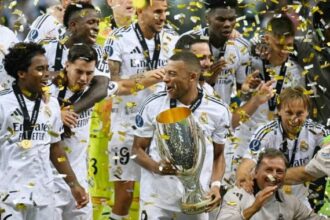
pixel 182 143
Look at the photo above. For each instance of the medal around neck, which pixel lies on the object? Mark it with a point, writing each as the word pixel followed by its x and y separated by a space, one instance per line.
pixel 185 148
pixel 26 144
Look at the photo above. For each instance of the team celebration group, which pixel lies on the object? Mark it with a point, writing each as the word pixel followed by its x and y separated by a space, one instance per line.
pixel 82 99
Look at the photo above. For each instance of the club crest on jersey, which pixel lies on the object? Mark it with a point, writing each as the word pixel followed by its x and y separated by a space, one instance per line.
pixel 33 34
pixel 139 121
pixel 255 145
pixel 304 146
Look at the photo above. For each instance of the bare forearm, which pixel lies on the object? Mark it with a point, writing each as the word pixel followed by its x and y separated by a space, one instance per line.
pixel 61 163
pixel 249 212
pixel 297 175
pixel 129 86
pixel 243 113
pixel 219 167
pixel 145 161
pixel 96 92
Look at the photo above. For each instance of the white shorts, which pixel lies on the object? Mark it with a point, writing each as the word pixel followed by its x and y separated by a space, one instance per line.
pixel 11 212
pixel 122 165
pixel 66 206
pixel 151 212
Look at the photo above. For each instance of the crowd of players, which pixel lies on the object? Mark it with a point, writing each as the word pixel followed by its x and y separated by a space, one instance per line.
pixel 82 91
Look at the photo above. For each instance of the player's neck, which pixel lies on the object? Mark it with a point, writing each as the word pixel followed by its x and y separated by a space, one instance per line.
pixel 190 97
pixel 122 21
pixel 216 41
pixel 276 61
pixel 147 33
pixel 26 92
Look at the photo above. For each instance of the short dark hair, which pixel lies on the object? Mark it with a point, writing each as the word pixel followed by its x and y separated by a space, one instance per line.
pixel 190 59
pixel 271 153
pixel 281 25
pixel 290 94
pixel 19 57
pixel 186 41
pixel 211 4
pixel 73 9
pixel 82 51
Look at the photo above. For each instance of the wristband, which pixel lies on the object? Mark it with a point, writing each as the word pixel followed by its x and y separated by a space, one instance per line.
pixel 216 183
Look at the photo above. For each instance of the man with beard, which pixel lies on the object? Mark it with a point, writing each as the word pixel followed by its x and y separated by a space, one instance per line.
pixel 131 50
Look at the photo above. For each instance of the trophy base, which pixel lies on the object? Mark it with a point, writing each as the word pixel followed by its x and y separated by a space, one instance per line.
pixel 196 208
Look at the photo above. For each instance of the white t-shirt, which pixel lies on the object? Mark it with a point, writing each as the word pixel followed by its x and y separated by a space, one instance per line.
pixel 293 77
pixel 102 68
pixel 236 54
pixel 45 27
pixel 123 46
pixel 26 174
pixel 212 116
pixel 7 39
pixel 271 136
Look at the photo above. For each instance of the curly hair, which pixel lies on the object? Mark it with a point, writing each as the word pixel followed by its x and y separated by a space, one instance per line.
pixel 20 56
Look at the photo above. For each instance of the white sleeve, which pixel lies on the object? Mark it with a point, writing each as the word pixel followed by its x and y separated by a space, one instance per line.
pixel 320 165
pixel 222 127
pixel 113 47
pixel 43 27
pixel 256 144
pixel 102 67
pixel 112 88
pixel 57 128
pixel 231 206
pixel 143 122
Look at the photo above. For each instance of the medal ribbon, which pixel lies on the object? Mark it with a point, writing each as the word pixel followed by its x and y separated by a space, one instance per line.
pixel 151 64
pixel 194 105
pixel 279 84
pixel 28 124
pixel 71 100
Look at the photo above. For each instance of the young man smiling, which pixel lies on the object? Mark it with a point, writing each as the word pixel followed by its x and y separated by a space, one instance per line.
pixel 30 129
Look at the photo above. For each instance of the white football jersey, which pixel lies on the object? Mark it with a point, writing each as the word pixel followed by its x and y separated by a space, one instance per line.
pixel 271 136
pixel 45 27
pixel 26 174
pixel 293 78
pixel 123 46
pixel 7 39
pixel 236 54
pixel 102 68
pixel 213 117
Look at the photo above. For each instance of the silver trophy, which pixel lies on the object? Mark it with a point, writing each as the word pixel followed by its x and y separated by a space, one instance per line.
pixel 182 143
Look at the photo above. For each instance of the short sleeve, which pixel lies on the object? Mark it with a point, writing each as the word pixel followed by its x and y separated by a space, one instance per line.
pixel 143 122
pixel 113 47
pixel 112 88
pixel 222 127
pixel 102 67
pixel 57 127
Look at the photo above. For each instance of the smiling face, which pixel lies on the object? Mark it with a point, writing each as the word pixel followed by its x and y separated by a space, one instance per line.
pixel 85 27
pixel 221 22
pixel 153 16
pixel 293 115
pixel 79 74
pixel 36 76
pixel 203 53
pixel 179 82
pixel 274 167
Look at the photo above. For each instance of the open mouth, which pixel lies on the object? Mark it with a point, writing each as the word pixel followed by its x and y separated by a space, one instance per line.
pixel 226 33
pixel 93 34
pixel 130 9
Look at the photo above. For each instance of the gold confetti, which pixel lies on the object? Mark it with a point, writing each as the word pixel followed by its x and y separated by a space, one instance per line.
pixel 20 206
pixel 131 104
pixel 165 137
pixel 53 133
pixel 61 159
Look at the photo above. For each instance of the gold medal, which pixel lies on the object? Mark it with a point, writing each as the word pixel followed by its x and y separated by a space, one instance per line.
pixel 270 115
pixel 26 144
pixel 287 189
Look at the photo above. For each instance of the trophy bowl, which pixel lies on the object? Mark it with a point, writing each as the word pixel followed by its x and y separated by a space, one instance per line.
pixel 182 143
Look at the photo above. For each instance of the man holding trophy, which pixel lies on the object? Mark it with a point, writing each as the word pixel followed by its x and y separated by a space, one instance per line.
pixel 179 143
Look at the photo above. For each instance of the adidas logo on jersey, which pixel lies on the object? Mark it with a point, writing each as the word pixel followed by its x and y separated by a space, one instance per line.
pixel 17 112
pixel 136 50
